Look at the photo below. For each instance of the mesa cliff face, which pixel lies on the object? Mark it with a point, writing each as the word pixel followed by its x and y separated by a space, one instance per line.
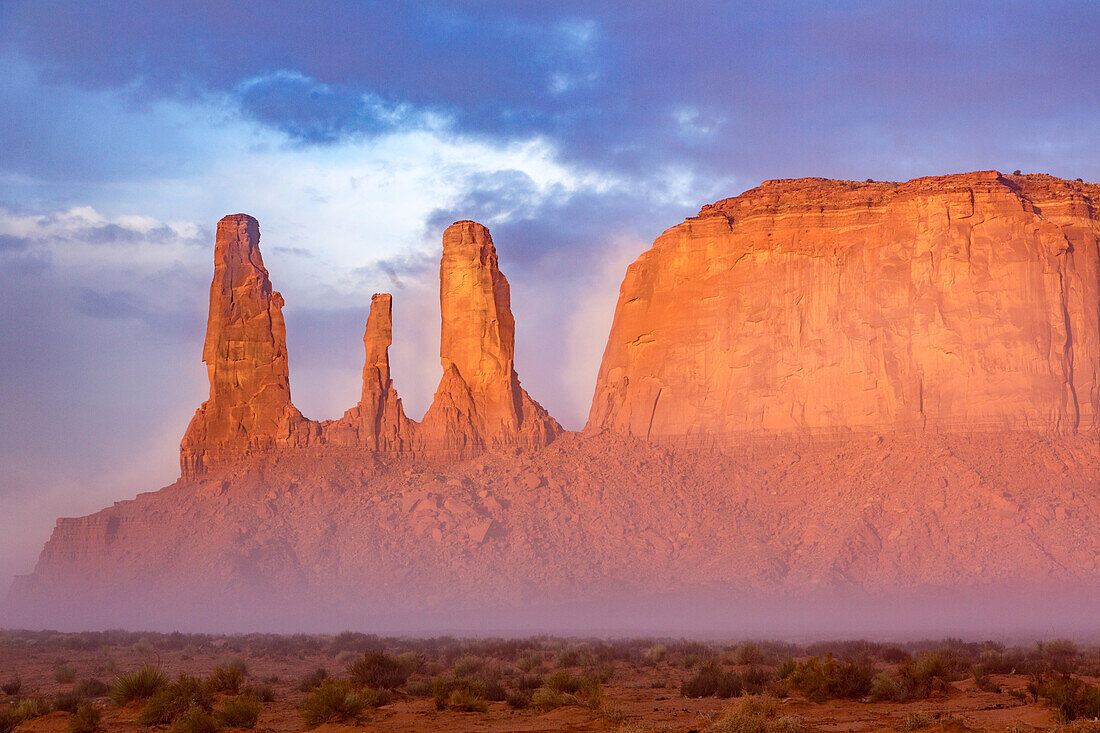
pixel 964 302
pixel 814 387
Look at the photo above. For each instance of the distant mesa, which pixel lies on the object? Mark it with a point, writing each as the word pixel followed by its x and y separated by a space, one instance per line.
pixel 814 387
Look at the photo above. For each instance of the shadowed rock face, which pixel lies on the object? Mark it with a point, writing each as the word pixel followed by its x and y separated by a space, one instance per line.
pixel 964 302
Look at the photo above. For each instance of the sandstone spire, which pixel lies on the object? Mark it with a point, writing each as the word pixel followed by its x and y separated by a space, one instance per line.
pixel 479 400
pixel 249 408
pixel 382 421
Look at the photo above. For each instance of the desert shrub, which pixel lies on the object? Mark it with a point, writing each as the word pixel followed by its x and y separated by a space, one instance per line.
pixel 749 653
pixel 493 690
pixel 886 688
pixel 600 670
pixel 419 688
pixel 655 654
pixel 239 712
pixel 820 679
pixel 918 721
pixel 982 680
pixel 527 682
pixel 467 666
pixel 926 674
pixel 313 680
pixel 64 674
pixel 8 721
pixel 331 701
pixel 91 688
pixel 195 720
pixel 66 702
pixel 710 680
pixel 12 685
pixel 517 699
pixel 32 707
pixel 755 714
pixel 175 699
pixel 530 662
pixel 755 680
pixel 263 693
pixel 87 719
pixel 140 684
pixel 462 698
pixel 378 669
pixel 228 677
pixel 894 655
pixel 544 699
pixel 1059 655
pixel 1070 697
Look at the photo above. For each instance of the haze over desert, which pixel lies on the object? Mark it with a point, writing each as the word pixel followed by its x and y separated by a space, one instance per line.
pixel 828 459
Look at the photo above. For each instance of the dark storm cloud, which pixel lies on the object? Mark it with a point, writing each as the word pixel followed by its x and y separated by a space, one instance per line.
pixel 768 89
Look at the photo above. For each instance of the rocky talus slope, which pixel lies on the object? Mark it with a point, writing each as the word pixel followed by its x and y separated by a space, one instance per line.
pixel 818 388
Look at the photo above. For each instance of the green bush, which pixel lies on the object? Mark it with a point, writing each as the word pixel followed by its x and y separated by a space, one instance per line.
pixel 32 707
pixel 140 684
pixel 195 720
pixel 378 669
pixel 175 699
pixel 331 701
pixel 239 712
pixel 545 699
pixel 87 719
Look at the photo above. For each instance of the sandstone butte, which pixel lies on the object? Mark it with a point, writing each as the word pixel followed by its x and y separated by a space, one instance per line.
pixel 814 387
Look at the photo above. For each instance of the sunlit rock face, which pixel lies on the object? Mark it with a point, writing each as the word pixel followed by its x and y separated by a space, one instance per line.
pixel 962 302
pixel 479 401
pixel 249 408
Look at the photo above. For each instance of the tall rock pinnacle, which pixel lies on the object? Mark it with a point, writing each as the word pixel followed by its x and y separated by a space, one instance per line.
pixel 382 421
pixel 479 400
pixel 249 408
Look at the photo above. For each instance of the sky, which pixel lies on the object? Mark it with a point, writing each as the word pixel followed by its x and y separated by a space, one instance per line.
pixel 357 131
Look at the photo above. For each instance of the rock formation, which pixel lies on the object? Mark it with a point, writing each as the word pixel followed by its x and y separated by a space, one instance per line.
pixel 956 320
pixel 249 408
pixel 963 302
pixel 479 401
pixel 378 422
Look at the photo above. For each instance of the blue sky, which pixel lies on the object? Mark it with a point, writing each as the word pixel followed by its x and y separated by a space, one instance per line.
pixel 356 131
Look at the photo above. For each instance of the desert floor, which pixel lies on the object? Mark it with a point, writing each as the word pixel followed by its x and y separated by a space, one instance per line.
pixel 551 684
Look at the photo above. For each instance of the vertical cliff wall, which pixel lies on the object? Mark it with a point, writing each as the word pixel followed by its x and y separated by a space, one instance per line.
pixel 955 302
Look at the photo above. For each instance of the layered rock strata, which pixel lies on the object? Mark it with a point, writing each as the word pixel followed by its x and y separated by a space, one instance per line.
pixel 962 302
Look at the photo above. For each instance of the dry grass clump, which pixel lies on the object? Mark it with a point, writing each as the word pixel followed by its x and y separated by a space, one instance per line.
pixel 917 679
pixel 92 688
pixel 755 714
pixel 229 676
pixel 12 685
pixel 562 688
pixel 313 680
pixel 195 720
pixel 140 684
pixel 64 674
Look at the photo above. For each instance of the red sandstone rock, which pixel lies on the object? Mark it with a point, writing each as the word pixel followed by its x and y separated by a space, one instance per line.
pixel 479 401
pixel 963 302
pixel 249 408
pixel 378 422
